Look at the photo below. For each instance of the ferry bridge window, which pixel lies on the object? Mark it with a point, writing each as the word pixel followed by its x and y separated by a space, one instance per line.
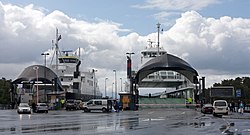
pixel 68 60
pixel 170 75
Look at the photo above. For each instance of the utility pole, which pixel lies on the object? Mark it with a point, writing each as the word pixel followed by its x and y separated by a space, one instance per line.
pixel 94 82
pixel 115 85
pixel 37 94
pixel 106 87
pixel 121 84
pixel 45 76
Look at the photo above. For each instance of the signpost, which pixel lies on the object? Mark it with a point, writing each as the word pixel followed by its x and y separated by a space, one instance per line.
pixel 238 93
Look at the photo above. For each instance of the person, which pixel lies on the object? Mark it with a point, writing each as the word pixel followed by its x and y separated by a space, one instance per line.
pixel 233 106
pixel 117 106
pixel 230 106
pixel 33 105
pixel 241 107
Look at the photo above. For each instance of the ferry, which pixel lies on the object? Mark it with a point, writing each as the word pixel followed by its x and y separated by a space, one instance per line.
pixel 161 83
pixel 82 85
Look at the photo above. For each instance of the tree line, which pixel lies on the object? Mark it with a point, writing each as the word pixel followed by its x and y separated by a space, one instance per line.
pixel 239 83
pixel 5 87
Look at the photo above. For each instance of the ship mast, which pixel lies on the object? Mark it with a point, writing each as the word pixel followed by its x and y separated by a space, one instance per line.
pixel 58 37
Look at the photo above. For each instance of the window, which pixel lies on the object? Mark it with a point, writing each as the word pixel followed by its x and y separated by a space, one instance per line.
pixel 220 103
pixel 90 102
pixel 68 60
pixel 98 102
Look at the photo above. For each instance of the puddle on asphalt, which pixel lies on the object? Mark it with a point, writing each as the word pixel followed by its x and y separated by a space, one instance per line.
pixel 194 124
pixel 153 119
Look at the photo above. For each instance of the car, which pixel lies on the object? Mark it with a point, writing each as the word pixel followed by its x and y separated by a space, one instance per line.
pixel 103 105
pixel 23 108
pixel 41 107
pixel 70 104
pixel 207 108
pixel 220 107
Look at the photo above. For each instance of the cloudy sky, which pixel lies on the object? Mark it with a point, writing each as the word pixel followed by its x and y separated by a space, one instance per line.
pixel 211 35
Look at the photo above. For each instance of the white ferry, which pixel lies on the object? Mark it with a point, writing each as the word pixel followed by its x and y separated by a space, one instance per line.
pixel 162 82
pixel 76 84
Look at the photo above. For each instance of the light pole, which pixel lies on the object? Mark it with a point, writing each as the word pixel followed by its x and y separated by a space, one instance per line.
pixel 121 83
pixel 130 53
pixel 36 68
pixel 106 87
pixel 93 70
pixel 115 85
pixel 112 90
pixel 158 42
pixel 45 54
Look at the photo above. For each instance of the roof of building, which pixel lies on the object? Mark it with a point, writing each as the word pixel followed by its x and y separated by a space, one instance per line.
pixel 34 72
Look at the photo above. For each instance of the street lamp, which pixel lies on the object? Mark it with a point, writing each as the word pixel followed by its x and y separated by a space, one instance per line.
pixel 36 68
pixel 121 83
pixel 93 70
pixel 130 53
pixel 112 90
pixel 106 87
pixel 115 85
pixel 45 54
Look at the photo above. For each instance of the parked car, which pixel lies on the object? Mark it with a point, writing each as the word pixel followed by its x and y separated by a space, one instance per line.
pixel 103 105
pixel 41 107
pixel 220 107
pixel 207 108
pixel 70 104
pixel 23 108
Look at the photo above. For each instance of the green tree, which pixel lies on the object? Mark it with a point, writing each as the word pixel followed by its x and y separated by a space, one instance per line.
pixel 238 83
pixel 5 86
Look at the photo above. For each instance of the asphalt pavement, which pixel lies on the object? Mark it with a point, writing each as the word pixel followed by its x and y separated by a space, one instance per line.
pixel 171 121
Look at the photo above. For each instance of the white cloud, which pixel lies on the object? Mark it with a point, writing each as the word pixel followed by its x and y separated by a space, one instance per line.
pixel 173 5
pixel 169 10
pixel 219 45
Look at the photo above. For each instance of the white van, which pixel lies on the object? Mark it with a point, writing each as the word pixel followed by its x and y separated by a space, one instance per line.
pixel 105 105
pixel 220 107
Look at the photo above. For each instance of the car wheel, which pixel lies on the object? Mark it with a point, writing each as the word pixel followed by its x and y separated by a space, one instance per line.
pixel 86 110
pixel 104 110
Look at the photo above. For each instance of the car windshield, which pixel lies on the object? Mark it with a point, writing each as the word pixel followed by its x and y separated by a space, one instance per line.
pixel 42 105
pixel 24 105
pixel 207 105
pixel 220 103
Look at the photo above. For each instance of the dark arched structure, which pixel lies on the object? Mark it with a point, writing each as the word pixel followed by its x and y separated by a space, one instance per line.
pixel 167 62
pixel 43 74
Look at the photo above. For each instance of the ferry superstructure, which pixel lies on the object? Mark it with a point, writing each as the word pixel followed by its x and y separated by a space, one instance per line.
pixel 77 84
